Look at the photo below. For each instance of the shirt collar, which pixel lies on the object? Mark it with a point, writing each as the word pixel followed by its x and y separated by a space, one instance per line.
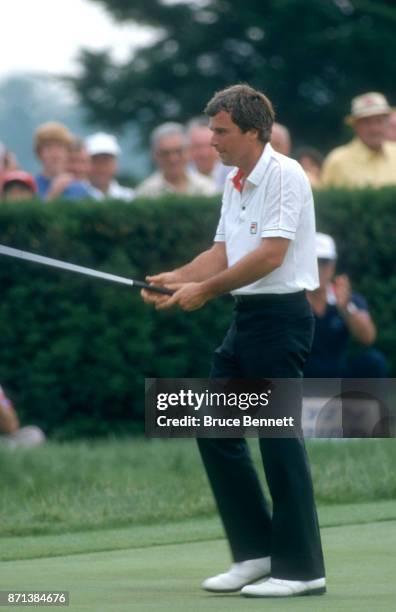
pixel 257 174
pixel 238 179
pixel 365 152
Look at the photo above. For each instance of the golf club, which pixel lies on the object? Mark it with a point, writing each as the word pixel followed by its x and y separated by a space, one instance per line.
pixel 64 265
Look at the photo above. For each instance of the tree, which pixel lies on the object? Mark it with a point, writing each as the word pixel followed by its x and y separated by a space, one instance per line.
pixel 310 56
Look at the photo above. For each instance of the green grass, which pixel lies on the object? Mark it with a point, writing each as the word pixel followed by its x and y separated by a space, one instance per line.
pixel 189 530
pixel 81 486
pixel 131 525
pixel 166 578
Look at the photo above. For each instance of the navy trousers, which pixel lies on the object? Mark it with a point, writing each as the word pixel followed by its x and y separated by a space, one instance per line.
pixel 270 337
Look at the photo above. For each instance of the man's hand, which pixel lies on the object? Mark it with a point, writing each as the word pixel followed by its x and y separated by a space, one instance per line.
pixel 162 280
pixel 343 291
pixel 189 296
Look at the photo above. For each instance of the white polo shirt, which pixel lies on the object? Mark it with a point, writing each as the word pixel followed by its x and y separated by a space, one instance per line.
pixel 276 201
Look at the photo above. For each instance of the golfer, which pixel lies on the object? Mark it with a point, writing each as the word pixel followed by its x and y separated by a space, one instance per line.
pixel 264 254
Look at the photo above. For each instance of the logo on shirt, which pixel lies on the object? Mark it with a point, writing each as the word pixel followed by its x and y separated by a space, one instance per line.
pixel 253 228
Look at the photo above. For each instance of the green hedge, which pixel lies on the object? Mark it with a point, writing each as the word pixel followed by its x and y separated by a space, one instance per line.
pixel 75 351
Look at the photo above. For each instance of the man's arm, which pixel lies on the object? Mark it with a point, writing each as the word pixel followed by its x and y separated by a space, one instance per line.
pixel 358 321
pixel 206 264
pixel 255 265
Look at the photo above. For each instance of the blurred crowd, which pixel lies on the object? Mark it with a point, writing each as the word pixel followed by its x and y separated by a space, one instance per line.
pixel 186 163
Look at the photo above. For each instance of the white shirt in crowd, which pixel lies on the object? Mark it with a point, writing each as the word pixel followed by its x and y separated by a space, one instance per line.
pixel 115 191
pixel 218 174
pixel 156 185
pixel 276 201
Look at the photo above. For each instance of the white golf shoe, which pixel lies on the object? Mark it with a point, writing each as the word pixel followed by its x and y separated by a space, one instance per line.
pixel 275 587
pixel 238 576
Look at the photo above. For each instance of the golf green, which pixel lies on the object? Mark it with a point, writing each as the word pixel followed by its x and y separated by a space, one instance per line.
pixel 166 578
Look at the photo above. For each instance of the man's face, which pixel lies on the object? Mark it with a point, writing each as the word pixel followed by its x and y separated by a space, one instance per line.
pixel 371 130
pixel 54 157
pixel 280 139
pixel 79 164
pixel 230 142
pixel 391 127
pixel 171 156
pixel 103 170
pixel 326 271
pixel 202 153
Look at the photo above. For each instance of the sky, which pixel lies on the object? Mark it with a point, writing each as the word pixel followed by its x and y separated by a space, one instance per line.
pixel 45 35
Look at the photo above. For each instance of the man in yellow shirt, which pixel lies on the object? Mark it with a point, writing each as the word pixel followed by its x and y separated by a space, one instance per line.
pixel 369 159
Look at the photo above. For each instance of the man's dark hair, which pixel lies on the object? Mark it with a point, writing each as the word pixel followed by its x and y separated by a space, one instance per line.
pixel 249 109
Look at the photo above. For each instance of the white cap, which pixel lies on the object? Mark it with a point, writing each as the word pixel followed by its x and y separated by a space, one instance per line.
pixel 325 247
pixel 102 143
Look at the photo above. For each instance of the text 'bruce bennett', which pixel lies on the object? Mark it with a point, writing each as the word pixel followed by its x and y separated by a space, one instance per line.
pixel 209 421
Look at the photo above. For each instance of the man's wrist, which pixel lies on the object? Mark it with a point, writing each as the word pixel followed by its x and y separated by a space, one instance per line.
pixel 209 289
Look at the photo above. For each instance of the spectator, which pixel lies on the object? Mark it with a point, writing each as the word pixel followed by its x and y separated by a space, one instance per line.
pixel 104 151
pixel 204 157
pixel 170 152
pixel 79 165
pixel 280 139
pixel 52 143
pixel 18 185
pixel 390 132
pixel 340 314
pixel 368 159
pixel 311 160
pixel 11 433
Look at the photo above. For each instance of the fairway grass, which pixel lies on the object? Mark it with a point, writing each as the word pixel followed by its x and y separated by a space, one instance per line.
pixel 189 530
pixel 359 558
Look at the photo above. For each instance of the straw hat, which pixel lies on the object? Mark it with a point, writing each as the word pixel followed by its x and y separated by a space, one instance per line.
pixel 368 105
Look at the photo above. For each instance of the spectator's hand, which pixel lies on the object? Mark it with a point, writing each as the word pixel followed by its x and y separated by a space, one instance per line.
pixel 58 185
pixel 342 290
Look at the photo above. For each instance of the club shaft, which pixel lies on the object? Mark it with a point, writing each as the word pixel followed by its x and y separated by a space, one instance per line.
pixel 64 265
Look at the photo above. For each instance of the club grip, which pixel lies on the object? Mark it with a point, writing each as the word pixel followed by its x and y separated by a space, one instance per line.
pixel 155 288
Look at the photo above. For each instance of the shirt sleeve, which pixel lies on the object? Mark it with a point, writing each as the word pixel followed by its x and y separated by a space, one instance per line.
pixel 220 231
pixel 359 301
pixel 284 198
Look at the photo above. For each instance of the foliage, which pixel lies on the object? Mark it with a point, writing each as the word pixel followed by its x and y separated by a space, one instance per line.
pixel 307 55
pixel 75 351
